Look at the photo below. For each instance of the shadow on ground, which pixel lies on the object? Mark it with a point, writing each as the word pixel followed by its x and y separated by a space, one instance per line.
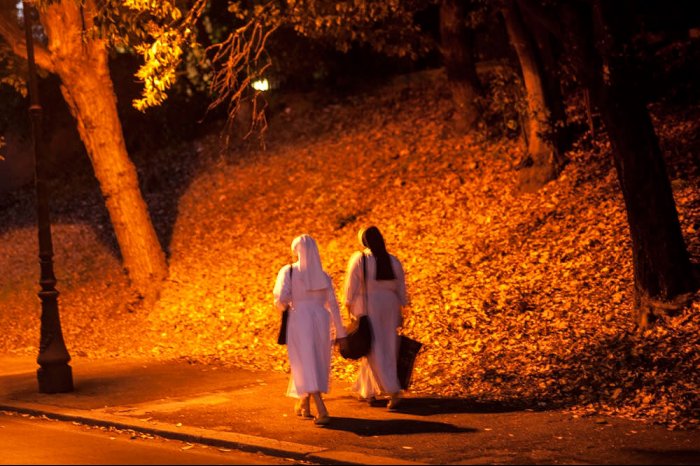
pixel 690 456
pixel 372 427
pixel 433 405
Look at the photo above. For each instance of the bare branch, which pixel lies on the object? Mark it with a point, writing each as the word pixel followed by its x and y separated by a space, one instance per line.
pixel 239 61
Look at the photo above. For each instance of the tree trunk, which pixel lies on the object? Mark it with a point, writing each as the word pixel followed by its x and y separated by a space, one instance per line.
pixel 544 165
pixel 662 270
pixel 554 98
pixel 81 62
pixel 663 273
pixel 457 47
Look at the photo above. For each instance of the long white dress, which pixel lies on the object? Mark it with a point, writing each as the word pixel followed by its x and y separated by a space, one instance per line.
pixel 308 331
pixel 377 373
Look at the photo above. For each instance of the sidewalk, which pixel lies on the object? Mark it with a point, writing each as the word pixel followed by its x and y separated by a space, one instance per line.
pixel 247 410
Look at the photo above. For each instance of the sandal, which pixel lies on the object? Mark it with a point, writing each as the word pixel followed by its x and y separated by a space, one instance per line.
pixel 301 409
pixel 394 402
pixel 322 420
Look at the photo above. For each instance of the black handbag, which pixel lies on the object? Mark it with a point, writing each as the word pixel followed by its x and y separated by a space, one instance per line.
pixel 282 337
pixel 408 350
pixel 358 341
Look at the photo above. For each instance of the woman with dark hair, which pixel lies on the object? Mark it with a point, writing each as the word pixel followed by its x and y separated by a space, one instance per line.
pixel 375 285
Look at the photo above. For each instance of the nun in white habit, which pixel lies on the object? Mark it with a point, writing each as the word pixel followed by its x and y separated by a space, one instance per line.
pixel 381 295
pixel 309 290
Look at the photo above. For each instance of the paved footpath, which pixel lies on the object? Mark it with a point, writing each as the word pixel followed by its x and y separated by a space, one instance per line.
pixel 247 410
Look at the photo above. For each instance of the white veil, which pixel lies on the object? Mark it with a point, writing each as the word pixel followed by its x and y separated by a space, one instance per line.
pixel 310 266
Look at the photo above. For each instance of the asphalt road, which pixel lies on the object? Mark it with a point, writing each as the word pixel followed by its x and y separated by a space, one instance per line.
pixel 236 406
pixel 31 440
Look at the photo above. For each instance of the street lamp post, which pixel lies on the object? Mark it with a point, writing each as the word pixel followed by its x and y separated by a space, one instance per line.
pixel 54 375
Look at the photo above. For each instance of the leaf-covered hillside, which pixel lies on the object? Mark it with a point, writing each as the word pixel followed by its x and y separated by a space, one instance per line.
pixel 519 298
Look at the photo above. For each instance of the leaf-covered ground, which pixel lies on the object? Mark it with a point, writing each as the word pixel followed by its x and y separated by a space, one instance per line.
pixel 519 298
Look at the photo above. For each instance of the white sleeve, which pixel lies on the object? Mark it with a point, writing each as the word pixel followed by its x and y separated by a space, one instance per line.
pixel 283 288
pixel 401 281
pixel 353 279
pixel 332 304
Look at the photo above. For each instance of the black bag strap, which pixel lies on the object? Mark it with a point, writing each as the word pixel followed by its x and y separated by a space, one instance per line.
pixel 291 269
pixel 364 284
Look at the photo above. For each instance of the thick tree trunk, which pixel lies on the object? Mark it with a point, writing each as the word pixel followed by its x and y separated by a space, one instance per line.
pixel 542 152
pixel 457 47
pixel 81 63
pixel 663 273
pixel 662 269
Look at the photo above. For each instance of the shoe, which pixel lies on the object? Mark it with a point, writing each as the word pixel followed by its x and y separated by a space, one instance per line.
pixel 322 420
pixel 394 402
pixel 373 402
pixel 301 410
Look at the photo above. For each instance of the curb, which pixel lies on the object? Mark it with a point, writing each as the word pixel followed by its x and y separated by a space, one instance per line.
pixel 243 442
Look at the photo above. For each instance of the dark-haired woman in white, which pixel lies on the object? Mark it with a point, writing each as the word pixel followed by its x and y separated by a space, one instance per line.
pixel 309 290
pixel 380 284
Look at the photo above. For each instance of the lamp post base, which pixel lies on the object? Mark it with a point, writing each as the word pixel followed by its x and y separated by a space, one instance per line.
pixel 57 378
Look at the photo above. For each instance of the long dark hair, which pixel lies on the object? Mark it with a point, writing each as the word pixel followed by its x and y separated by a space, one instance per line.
pixel 373 239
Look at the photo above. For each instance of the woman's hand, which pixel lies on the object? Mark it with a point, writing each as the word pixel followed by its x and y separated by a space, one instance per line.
pixel 402 311
pixel 349 311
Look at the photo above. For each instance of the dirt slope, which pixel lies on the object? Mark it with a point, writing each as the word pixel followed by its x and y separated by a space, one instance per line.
pixel 519 298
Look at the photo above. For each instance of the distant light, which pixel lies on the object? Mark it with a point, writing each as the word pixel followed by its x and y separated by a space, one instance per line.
pixel 261 85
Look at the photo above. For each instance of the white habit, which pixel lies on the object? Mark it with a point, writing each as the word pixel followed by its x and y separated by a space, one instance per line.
pixel 384 300
pixel 309 325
